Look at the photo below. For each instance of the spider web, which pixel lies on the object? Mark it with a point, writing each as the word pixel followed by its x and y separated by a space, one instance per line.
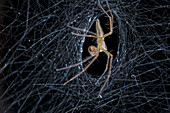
pixel 35 41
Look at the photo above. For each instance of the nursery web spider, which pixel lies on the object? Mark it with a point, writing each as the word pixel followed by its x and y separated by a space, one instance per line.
pixel 94 51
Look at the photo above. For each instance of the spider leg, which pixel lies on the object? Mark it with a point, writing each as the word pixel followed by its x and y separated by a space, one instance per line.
pixel 109 9
pixel 108 56
pixel 83 69
pixel 82 30
pixel 74 65
pixel 84 35
pixel 109 71
pixel 110 18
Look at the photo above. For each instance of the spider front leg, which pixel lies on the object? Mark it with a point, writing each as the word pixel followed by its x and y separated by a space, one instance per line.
pixel 108 56
pixel 110 18
pixel 97 54
pixel 74 65
pixel 108 53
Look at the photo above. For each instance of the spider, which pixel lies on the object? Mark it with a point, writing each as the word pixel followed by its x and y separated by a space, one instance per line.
pixel 94 51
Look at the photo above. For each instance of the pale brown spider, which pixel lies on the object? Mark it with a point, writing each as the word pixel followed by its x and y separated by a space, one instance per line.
pixel 94 51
